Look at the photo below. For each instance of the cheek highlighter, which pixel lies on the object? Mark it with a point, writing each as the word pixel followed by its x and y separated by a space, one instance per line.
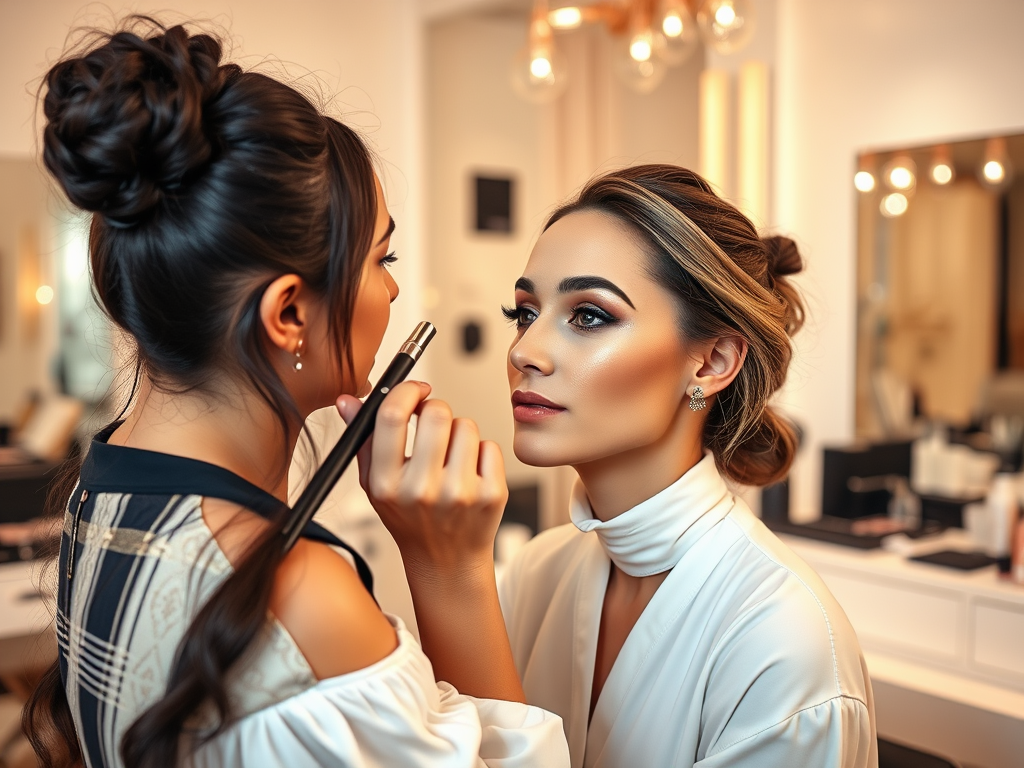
pixel 355 435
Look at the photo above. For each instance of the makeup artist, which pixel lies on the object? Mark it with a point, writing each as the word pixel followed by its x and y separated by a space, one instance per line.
pixel 240 240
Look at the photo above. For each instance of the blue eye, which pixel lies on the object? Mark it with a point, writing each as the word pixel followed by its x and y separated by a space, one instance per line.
pixel 520 315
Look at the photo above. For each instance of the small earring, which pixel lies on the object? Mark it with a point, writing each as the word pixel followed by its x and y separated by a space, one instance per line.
pixel 298 356
pixel 697 401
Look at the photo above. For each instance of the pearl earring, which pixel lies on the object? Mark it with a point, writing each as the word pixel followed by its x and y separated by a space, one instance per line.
pixel 697 401
pixel 298 356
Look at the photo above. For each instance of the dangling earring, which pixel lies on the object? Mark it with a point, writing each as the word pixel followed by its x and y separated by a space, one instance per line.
pixel 298 356
pixel 697 401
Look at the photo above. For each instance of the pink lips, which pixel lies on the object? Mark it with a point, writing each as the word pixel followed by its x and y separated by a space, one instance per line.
pixel 530 407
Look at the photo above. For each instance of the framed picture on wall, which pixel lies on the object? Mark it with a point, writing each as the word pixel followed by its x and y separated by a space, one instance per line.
pixel 492 203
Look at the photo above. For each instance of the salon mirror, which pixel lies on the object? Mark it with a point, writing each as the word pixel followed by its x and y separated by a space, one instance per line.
pixel 940 284
pixel 53 336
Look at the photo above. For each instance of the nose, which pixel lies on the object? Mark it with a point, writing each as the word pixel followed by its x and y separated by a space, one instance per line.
pixel 531 352
pixel 392 286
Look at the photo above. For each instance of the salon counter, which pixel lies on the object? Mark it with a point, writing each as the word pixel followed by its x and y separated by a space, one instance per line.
pixel 945 648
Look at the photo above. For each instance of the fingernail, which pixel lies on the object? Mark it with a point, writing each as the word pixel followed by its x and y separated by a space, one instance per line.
pixel 423 384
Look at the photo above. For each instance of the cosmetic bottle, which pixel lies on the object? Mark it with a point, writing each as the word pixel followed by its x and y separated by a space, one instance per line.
pixel 1002 510
pixel 925 461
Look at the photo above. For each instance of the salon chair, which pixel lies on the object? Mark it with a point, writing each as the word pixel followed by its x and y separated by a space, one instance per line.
pixel 893 755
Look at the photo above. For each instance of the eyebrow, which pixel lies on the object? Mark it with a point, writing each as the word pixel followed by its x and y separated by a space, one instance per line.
pixel 391 228
pixel 578 283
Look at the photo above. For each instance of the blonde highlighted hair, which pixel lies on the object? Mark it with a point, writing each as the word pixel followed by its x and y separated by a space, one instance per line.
pixel 728 281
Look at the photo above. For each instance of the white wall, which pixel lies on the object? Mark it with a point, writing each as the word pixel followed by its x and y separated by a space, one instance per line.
pixel 851 76
pixel 475 124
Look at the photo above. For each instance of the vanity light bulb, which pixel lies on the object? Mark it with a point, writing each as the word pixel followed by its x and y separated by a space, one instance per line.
pixel 569 17
pixel 894 204
pixel 44 294
pixel 864 181
pixel 942 173
pixel 994 172
pixel 901 177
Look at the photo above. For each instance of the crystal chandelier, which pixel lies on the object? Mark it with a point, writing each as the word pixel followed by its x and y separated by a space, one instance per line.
pixel 650 36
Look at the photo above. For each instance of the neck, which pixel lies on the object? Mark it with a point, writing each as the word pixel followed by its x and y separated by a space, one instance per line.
pixel 233 429
pixel 617 483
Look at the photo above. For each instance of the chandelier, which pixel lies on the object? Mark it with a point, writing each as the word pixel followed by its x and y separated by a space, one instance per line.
pixel 649 36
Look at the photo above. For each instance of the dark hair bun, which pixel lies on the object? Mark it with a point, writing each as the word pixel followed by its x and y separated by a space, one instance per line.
pixel 125 121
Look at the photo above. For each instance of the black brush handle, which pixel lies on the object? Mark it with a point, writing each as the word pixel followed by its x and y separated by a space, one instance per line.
pixel 355 435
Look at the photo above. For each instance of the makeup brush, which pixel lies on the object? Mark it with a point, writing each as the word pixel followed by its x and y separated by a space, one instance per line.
pixel 355 435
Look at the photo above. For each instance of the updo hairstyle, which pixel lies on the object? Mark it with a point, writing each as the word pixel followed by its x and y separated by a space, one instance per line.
pixel 206 183
pixel 728 281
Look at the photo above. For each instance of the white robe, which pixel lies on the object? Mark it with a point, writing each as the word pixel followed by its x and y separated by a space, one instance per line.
pixel 742 658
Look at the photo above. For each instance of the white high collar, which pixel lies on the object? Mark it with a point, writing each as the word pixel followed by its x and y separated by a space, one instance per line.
pixel 651 537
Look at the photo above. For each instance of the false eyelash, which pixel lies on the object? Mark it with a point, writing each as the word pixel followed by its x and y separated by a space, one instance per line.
pixel 605 317
pixel 511 313
pixel 391 258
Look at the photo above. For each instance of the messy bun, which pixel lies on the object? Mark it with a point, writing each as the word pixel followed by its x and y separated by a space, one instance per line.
pixel 728 280
pixel 125 122
pixel 784 259
pixel 206 183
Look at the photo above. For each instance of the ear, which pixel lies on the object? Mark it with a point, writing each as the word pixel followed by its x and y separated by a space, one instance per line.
pixel 283 312
pixel 722 361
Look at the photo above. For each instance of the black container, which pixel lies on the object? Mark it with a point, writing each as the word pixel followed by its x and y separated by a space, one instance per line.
pixel 864 461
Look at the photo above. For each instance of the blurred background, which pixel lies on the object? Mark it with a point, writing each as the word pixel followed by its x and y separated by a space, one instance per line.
pixel 831 122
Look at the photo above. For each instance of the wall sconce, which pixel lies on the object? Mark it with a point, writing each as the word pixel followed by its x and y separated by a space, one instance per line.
pixel 30 284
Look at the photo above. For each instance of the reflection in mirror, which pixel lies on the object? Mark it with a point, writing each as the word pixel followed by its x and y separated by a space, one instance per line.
pixel 940 284
pixel 84 358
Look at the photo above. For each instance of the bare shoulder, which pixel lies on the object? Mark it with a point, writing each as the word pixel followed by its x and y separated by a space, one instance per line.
pixel 317 597
pixel 320 600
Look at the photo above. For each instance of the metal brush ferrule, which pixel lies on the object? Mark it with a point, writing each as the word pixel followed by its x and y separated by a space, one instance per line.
pixel 418 340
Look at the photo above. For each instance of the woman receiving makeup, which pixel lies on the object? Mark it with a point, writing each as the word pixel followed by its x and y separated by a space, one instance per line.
pixel 666 625
pixel 240 241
